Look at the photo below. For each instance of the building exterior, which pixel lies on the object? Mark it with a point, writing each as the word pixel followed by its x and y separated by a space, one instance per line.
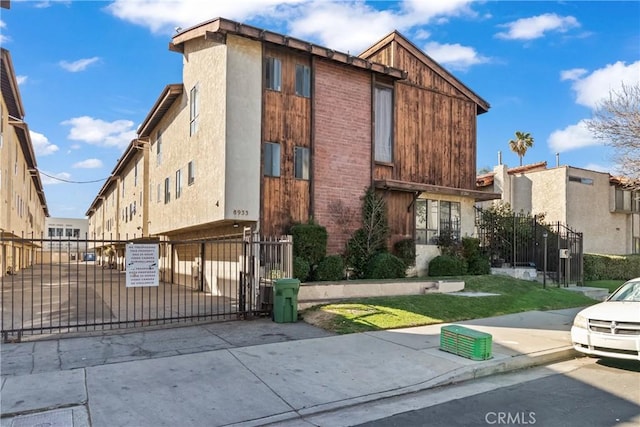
pixel 66 239
pixel 23 207
pixel 267 131
pixel 604 208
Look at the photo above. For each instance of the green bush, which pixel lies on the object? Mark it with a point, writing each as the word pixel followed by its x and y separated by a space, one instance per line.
pixel 301 269
pixel 385 266
pixel 330 268
pixel 405 249
pixel 477 264
pixel 447 265
pixel 611 267
pixel 309 242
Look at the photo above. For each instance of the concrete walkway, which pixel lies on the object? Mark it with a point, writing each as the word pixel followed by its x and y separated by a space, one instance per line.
pixel 252 372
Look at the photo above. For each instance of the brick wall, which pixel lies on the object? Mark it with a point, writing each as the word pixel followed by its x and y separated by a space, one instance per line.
pixel 342 149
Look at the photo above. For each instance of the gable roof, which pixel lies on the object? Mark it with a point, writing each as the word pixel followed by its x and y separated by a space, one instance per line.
pixel 396 38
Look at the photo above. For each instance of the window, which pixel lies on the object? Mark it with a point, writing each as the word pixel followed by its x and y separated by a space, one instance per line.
pixel 271 159
pixel 193 110
pixel 159 147
pixel 273 74
pixel 301 163
pixel 68 232
pixel 135 175
pixel 167 190
pixel 178 183
pixel 383 105
pixel 59 232
pixel 586 181
pixel 76 232
pixel 303 80
pixel 1 124
pixel 159 193
pixel 434 217
pixel 624 200
pixel 123 188
pixel 191 172
pixel 51 232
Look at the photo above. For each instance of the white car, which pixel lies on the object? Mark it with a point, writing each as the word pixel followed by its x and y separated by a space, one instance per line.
pixel 611 328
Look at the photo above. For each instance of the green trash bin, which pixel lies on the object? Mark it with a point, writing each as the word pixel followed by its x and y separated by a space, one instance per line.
pixel 285 301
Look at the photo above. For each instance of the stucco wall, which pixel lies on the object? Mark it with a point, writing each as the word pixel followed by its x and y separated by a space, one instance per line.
pixel 243 129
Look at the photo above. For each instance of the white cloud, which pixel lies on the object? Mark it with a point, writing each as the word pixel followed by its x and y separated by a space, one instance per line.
pixel 54 178
pixel 455 56
pixel 3 38
pixel 21 79
pixel 572 137
pixel 348 26
pixel 573 74
pixel 597 167
pixel 79 65
pixel 536 26
pixel 98 132
pixel 595 87
pixel 88 164
pixel 162 16
pixel 41 144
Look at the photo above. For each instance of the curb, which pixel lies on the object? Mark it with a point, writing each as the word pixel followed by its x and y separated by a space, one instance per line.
pixel 466 373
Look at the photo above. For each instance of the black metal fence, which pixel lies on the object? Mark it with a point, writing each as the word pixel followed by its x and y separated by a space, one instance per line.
pixel 519 240
pixel 69 285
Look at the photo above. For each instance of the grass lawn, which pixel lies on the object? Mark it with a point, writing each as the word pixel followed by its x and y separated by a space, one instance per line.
pixel 611 285
pixel 370 314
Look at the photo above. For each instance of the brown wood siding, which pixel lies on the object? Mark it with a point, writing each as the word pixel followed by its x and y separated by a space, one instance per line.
pixel 435 128
pixel 400 215
pixel 287 121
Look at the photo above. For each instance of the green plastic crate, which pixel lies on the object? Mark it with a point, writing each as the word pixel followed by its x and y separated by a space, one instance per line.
pixel 465 342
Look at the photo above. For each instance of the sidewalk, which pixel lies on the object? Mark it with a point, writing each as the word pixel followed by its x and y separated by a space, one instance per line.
pixel 251 373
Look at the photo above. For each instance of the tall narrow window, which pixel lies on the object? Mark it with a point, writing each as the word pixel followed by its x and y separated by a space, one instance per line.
pixel 191 172
pixel 1 123
pixel 159 147
pixel 123 188
pixel 178 183
pixel 194 110
pixel 135 174
pixel 271 159
pixel 303 81
pixel 273 74
pixel 383 105
pixel 167 190
pixel 159 193
pixel 301 163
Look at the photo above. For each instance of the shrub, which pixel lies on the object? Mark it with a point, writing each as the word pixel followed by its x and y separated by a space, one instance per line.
pixel 385 266
pixel 447 265
pixel 309 242
pixel 301 269
pixel 330 268
pixel 405 249
pixel 477 264
pixel 611 267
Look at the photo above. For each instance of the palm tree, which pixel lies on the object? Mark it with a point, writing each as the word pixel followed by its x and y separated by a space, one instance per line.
pixel 521 144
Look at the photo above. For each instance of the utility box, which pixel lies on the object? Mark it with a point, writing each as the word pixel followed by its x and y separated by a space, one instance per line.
pixel 564 253
pixel 465 342
pixel 285 301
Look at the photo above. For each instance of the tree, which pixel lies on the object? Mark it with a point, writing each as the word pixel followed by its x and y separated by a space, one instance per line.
pixel 616 121
pixel 521 144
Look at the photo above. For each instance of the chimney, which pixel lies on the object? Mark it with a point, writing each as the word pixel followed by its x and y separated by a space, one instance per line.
pixel 557 159
pixel 499 157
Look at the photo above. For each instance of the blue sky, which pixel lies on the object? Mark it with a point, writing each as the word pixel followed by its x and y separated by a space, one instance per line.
pixel 89 71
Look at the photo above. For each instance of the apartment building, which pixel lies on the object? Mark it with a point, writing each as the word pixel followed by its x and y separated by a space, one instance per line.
pixel 23 207
pixel 605 208
pixel 266 130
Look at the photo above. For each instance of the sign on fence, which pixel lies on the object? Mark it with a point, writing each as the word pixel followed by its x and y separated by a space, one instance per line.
pixel 142 265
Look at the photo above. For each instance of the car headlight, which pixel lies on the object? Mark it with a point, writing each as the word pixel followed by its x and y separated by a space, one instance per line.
pixel 580 322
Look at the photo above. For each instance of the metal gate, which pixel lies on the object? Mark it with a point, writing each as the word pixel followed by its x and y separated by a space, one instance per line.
pixel 75 285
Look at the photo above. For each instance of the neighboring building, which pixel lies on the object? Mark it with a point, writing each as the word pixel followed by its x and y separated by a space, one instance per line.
pixel 23 207
pixel 266 131
pixel 66 239
pixel 603 207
